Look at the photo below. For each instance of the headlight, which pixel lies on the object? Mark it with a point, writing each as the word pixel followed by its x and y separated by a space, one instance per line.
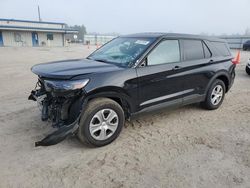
pixel 63 85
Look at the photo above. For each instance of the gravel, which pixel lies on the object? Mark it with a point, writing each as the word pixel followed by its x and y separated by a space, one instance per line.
pixel 185 147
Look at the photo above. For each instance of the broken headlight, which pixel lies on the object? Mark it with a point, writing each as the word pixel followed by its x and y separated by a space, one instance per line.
pixel 62 85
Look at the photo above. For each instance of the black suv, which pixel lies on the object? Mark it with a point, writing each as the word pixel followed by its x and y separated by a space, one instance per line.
pixel 93 97
pixel 246 45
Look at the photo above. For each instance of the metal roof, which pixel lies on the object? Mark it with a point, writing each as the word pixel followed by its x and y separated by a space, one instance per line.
pixel 173 35
pixel 29 21
pixel 21 28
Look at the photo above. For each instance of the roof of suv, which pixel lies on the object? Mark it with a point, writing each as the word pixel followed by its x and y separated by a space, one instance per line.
pixel 174 35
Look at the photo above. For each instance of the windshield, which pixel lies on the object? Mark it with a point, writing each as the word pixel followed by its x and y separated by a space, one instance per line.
pixel 122 51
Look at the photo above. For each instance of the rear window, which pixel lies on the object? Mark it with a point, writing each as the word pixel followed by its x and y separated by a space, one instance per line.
pixel 193 49
pixel 222 48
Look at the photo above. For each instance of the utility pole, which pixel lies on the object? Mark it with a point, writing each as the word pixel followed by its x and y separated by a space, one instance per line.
pixel 39 15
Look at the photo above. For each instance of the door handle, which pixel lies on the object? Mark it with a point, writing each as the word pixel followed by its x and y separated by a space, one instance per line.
pixel 176 67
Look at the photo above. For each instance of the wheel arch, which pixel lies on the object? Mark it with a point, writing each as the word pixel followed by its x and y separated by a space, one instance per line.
pixel 117 94
pixel 221 76
pixel 225 79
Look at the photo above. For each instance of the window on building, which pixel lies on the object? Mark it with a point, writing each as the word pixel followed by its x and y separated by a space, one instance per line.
pixel 193 50
pixel 50 36
pixel 17 37
pixel 166 52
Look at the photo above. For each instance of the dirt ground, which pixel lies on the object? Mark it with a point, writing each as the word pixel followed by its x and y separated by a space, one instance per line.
pixel 186 147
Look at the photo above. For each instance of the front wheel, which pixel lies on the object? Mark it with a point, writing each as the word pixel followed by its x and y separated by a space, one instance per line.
pixel 215 95
pixel 101 122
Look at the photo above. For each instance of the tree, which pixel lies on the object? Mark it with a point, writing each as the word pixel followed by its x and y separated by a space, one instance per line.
pixel 247 31
pixel 81 31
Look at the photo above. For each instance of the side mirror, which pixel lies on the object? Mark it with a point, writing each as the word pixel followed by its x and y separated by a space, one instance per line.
pixel 144 63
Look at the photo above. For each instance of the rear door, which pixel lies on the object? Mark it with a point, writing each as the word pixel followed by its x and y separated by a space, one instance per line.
pixel 195 69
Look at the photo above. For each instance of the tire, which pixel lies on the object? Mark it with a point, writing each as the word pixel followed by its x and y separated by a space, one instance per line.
pixel 248 70
pixel 210 103
pixel 101 122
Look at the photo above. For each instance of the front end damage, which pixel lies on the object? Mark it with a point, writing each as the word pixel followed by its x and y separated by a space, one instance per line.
pixel 62 105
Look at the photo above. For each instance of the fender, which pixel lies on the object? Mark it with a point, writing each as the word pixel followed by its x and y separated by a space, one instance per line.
pixel 218 74
pixel 127 102
pixel 115 93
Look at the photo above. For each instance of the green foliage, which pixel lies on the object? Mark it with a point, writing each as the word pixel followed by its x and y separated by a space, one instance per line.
pixel 81 29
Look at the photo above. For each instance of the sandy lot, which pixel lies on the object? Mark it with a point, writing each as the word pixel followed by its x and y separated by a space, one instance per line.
pixel 186 147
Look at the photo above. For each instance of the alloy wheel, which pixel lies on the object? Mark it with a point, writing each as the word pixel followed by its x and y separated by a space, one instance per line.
pixel 103 124
pixel 217 95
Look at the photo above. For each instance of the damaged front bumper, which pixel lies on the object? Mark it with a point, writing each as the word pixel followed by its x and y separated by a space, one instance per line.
pixel 58 135
pixel 63 110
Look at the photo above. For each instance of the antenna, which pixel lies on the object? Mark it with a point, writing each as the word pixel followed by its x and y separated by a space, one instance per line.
pixel 39 15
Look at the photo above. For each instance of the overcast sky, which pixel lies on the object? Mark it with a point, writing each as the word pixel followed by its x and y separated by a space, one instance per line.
pixel 130 16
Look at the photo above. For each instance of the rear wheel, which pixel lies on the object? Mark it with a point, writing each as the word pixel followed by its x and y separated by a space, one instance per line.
pixel 215 95
pixel 101 122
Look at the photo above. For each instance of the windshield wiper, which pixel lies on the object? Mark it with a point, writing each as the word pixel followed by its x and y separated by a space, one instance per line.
pixel 101 60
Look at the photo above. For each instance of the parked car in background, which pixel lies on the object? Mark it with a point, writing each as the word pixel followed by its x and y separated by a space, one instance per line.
pixel 246 45
pixel 248 67
pixel 93 97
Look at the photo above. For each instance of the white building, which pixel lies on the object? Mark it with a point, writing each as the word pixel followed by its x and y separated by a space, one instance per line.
pixel 32 33
pixel 97 39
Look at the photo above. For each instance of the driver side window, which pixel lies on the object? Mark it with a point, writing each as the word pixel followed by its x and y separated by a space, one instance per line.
pixel 167 51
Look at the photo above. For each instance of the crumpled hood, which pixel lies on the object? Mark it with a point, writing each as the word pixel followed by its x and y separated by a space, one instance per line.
pixel 70 68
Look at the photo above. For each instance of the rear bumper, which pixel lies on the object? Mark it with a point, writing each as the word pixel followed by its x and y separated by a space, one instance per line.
pixel 232 77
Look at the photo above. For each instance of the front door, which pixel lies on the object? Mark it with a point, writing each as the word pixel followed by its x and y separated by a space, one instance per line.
pixel 35 39
pixel 160 79
pixel 1 39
